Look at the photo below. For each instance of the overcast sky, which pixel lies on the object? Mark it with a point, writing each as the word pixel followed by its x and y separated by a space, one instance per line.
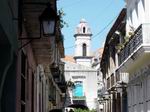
pixel 100 15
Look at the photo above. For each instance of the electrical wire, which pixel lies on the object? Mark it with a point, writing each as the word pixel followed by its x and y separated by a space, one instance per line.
pixel 73 46
pixel 97 34
pixel 104 28
pixel 70 47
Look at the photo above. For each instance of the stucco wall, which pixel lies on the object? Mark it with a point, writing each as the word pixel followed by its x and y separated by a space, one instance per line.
pixel 89 79
pixel 138 90
pixel 80 40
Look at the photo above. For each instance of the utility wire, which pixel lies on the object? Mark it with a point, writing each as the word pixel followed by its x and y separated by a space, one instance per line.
pixel 70 47
pixel 73 46
pixel 100 30
pixel 103 29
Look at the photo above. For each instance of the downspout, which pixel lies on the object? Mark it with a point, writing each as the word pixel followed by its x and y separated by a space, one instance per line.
pixel 4 75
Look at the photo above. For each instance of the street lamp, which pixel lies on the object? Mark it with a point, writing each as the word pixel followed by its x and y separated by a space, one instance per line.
pixel 48 21
pixel 106 96
pixel 119 87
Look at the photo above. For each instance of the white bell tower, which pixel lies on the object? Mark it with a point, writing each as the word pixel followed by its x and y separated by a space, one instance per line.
pixel 83 43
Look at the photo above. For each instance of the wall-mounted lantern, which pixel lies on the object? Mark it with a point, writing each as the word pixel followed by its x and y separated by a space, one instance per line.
pixel 106 95
pixel 48 21
pixel 119 87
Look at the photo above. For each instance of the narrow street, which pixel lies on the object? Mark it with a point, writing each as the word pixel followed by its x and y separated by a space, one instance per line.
pixel 74 56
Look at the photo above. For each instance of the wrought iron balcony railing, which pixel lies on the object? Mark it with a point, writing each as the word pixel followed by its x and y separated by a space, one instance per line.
pixel 79 97
pixel 135 41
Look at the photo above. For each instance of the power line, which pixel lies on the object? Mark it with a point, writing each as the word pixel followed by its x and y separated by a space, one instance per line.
pixel 103 29
pixel 100 30
pixel 72 46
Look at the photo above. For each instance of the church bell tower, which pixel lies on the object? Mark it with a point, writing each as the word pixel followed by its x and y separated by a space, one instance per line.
pixel 83 43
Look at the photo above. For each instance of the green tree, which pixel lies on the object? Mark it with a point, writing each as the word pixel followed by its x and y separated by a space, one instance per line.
pixel 61 15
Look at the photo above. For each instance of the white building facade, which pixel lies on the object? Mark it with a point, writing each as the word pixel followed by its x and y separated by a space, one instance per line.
pixel 135 56
pixel 96 64
pixel 80 72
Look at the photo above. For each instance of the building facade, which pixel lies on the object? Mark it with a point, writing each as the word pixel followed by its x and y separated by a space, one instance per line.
pixel 29 58
pixel 97 56
pixel 132 62
pixel 136 61
pixel 81 77
pixel 114 98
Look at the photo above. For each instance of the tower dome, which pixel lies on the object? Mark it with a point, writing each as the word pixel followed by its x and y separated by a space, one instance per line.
pixel 83 28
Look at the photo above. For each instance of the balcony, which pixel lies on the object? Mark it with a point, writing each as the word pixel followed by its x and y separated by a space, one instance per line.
pixel 136 50
pixel 78 98
pixel 121 77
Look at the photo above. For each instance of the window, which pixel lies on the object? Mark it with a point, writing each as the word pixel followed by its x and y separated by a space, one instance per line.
pixel 95 60
pixel 84 49
pixel 83 29
pixel 78 90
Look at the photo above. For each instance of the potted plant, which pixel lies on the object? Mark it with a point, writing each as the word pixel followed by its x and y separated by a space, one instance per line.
pixel 119 47
pixel 70 84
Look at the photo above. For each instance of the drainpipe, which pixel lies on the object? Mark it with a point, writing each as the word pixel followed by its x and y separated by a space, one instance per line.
pixel 4 75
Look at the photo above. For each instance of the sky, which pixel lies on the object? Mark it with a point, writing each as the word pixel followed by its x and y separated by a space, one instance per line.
pixel 100 15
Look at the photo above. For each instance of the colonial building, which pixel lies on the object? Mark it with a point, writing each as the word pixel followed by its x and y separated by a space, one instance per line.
pixel 97 56
pixel 134 57
pixel 81 77
pixel 113 99
pixel 133 60
pixel 30 56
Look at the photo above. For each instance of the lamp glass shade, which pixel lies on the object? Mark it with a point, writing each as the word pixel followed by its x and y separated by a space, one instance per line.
pixel 119 88
pixel 107 95
pixel 48 21
pixel 48 27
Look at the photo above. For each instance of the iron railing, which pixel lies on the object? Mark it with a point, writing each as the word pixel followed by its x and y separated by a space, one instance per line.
pixel 79 97
pixel 135 41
